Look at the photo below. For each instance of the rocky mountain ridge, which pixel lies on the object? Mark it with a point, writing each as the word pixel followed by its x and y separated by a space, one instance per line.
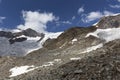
pixel 73 55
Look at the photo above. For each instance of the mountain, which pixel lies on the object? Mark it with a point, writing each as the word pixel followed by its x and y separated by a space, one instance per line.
pixel 21 43
pixel 79 53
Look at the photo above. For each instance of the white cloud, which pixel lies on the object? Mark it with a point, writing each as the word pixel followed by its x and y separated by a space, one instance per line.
pixel 0 29
pixel 73 17
pixel 58 23
pixel 81 10
pixel 36 20
pixel 93 15
pixel 86 18
pixel 107 13
pixel 114 6
pixel 118 0
pixel 1 19
pixel 66 22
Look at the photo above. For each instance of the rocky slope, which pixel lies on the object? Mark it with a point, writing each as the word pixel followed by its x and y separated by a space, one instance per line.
pixel 90 53
pixel 102 64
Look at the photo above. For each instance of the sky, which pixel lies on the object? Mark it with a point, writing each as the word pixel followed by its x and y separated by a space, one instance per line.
pixel 54 15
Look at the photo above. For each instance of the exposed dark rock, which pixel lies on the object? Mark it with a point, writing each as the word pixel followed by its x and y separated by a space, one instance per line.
pixel 28 32
pixel 13 40
pixel 13 36
pixel 6 34
pixel 31 33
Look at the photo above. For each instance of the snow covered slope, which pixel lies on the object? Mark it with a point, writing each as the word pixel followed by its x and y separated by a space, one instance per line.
pixel 106 34
pixel 22 43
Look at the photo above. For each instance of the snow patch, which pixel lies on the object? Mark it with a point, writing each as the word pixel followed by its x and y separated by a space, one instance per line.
pixel 74 40
pixel 76 58
pixel 89 49
pixel 53 35
pixel 20 70
pixel 51 63
pixel 95 23
pixel 25 69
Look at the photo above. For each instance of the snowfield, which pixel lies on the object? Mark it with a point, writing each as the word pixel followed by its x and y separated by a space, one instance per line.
pixel 106 34
pixel 25 47
pixel 89 49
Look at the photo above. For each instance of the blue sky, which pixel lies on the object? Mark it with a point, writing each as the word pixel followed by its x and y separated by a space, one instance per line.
pixel 54 15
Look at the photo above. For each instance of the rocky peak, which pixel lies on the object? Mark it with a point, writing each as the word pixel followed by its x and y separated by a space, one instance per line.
pixel 28 32
pixel 109 22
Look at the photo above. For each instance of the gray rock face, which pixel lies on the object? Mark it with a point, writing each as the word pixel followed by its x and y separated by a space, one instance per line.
pixel 109 22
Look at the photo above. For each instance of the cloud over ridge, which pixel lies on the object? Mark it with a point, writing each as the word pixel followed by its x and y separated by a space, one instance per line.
pixel 36 20
pixel 86 18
